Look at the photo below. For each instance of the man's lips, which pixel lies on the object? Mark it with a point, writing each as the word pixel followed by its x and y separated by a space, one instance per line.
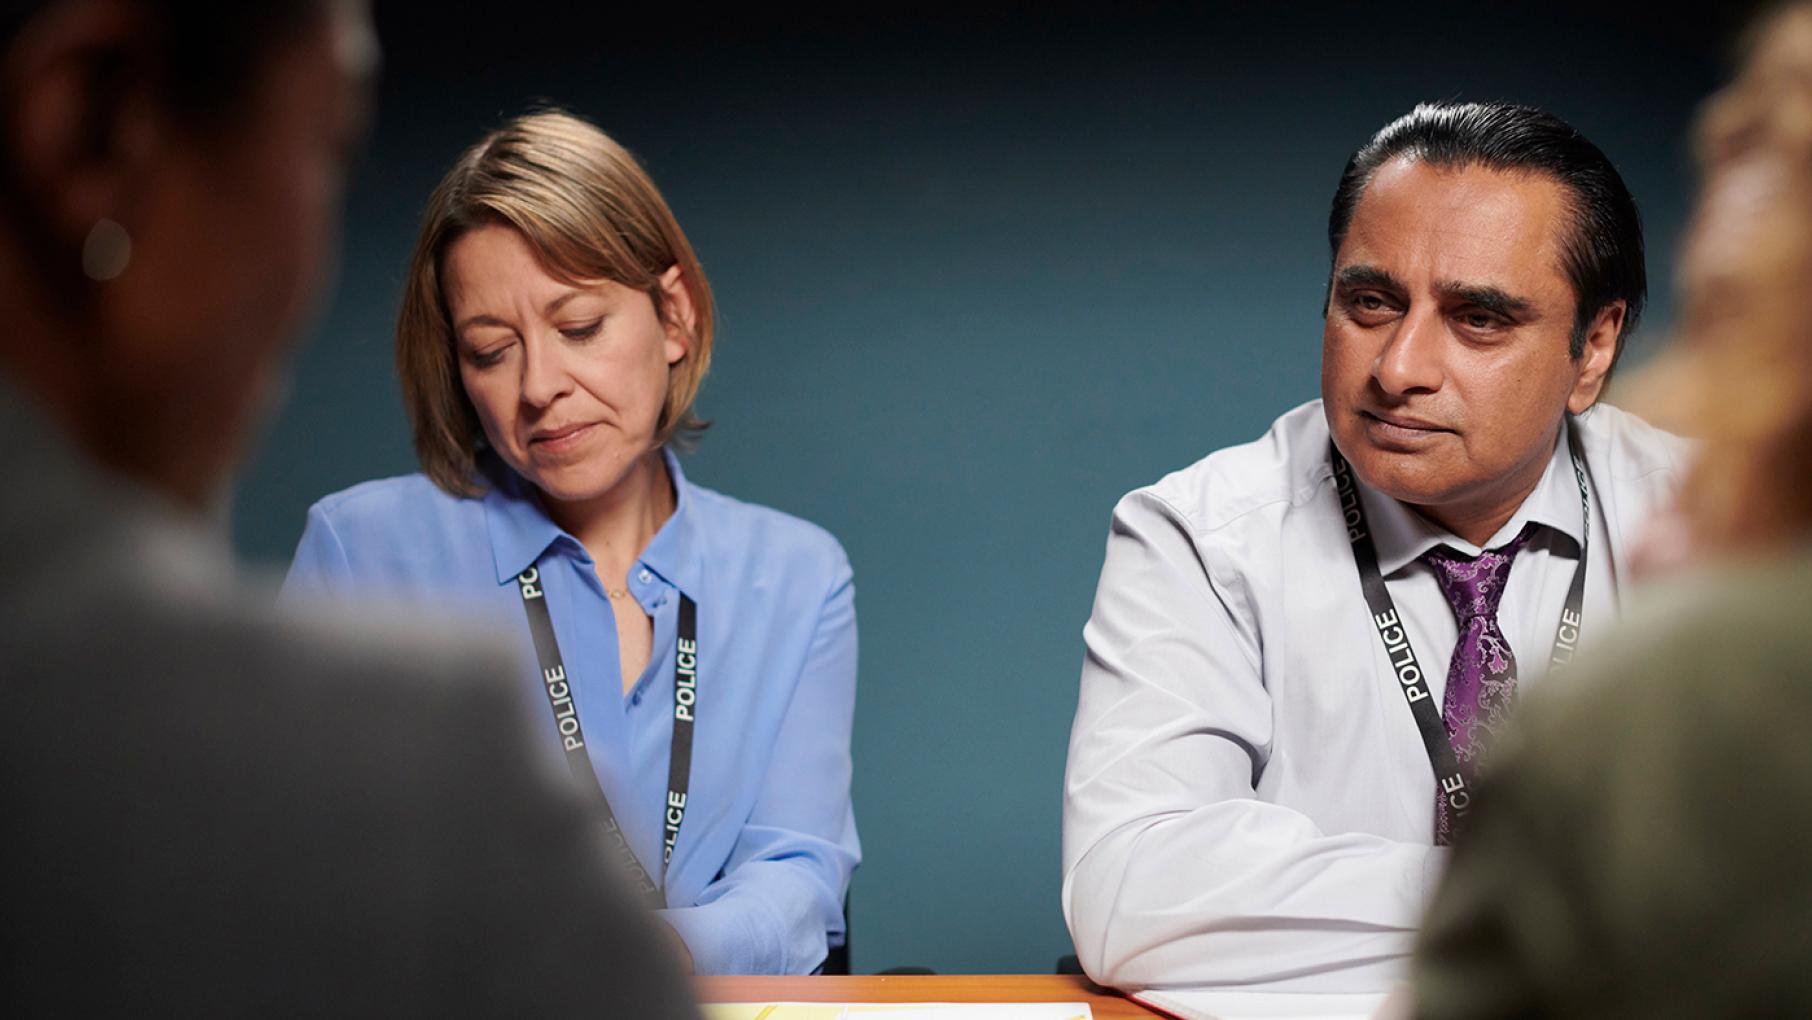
pixel 1403 433
pixel 1407 423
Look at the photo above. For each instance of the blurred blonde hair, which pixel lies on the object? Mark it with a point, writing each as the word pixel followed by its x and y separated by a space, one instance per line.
pixel 1741 376
pixel 590 212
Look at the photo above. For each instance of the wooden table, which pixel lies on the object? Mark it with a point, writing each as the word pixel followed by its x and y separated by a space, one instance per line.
pixel 923 988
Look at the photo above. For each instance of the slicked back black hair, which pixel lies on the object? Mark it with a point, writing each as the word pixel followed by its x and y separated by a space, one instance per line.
pixel 1603 249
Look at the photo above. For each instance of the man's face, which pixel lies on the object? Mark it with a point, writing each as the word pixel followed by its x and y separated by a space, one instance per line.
pixel 1445 368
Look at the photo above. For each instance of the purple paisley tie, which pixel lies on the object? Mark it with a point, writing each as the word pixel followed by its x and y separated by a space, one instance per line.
pixel 1483 674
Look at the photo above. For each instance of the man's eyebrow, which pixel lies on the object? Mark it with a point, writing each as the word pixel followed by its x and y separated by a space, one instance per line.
pixel 1366 276
pixel 1496 300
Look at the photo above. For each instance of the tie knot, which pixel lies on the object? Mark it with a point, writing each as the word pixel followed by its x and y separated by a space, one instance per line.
pixel 1474 584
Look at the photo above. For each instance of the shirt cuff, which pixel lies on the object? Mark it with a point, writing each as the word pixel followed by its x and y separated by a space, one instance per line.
pixel 720 941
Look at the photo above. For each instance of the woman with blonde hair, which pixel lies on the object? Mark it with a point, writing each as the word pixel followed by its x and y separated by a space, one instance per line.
pixel 1643 849
pixel 695 656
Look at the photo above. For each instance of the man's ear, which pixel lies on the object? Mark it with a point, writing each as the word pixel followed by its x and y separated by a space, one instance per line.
pixel 80 119
pixel 1599 355
pixel 681 313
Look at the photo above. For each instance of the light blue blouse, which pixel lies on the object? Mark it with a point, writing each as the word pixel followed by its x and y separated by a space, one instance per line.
pixel 763 860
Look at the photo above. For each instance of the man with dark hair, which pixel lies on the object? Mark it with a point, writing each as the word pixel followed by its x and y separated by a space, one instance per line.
pixel 1300 646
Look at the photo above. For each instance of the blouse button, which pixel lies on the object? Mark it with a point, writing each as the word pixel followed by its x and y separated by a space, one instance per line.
pixel 644 577
pixel 636 698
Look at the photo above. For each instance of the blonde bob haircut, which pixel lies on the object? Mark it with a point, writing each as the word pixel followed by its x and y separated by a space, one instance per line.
pixel 589 212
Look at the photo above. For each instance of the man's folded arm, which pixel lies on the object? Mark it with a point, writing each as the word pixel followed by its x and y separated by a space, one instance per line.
pixel 1175 872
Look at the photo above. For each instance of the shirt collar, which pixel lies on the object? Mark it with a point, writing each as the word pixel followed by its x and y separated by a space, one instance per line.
pixel 521 531
pixel 1402 535
pixel 675 554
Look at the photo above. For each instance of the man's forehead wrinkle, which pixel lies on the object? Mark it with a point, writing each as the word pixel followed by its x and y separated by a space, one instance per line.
pixel 1401 232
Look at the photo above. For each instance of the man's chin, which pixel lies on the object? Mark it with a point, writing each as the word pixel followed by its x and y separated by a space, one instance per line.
pixel 1418 478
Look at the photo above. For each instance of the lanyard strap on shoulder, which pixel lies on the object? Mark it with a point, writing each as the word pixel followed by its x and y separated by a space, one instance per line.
pixel 558 689
pixel 1566 634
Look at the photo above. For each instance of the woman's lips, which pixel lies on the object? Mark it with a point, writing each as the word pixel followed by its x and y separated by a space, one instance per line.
pixel 560 439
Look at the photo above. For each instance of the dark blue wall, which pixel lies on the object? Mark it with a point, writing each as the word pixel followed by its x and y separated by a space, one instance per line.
pixel 979 274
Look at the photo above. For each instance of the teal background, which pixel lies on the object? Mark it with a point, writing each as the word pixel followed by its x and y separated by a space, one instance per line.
pixel 979 275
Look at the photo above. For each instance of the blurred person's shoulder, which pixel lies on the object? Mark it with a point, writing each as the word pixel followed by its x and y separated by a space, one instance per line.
pixel 170 637
pixel 128 613
pixel 1655 800
pixel 282 803
pixel 1704 662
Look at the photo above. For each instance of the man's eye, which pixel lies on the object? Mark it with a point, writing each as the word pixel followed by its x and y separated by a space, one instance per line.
pixel 1479 320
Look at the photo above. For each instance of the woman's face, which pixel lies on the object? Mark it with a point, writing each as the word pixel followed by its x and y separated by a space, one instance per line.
pixel 568 379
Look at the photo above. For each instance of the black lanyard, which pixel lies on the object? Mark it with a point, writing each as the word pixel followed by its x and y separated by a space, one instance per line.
pixel 1448 777
pixel 566 716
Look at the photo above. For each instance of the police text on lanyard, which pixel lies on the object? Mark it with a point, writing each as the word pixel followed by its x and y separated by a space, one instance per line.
pixel 558 688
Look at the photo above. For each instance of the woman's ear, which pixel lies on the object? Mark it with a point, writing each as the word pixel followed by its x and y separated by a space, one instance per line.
pixel 680 313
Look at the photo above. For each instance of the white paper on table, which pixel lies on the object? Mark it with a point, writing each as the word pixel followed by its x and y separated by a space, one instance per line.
pixel 1224 1005
pixel 898 1011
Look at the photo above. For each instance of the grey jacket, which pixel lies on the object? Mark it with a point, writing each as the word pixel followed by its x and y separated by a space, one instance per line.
pixel 211 806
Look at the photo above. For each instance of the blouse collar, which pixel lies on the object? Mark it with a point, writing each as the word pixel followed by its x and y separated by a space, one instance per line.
pixel 522 532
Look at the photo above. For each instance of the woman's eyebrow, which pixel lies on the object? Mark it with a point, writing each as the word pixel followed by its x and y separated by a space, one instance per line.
pixel 479 320
pixel 485 319
pixel 558 303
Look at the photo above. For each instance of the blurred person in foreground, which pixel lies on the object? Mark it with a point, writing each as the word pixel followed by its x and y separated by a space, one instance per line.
pixel 212 807
pixel 1643 850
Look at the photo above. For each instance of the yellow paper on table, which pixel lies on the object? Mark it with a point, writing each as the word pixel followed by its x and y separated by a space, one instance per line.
pixel 898 1011
pixel 773 1011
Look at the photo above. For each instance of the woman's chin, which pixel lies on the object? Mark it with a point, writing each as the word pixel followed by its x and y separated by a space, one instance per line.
pixel 581 483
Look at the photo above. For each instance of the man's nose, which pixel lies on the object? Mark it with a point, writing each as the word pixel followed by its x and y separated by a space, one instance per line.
pixel 1411 359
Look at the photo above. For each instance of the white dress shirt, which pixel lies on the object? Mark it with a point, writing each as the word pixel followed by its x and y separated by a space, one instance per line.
pixel 1248 801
